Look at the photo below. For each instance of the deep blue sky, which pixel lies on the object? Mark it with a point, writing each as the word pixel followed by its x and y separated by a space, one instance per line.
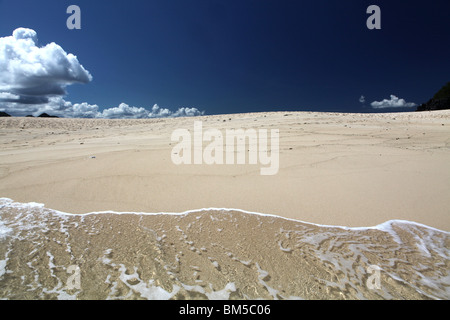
pixel 240 55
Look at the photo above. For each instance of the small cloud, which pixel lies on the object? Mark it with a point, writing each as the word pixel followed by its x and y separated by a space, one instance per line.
pixel 123 111
pixel 394 102
pixel 362 99
pixel 187 112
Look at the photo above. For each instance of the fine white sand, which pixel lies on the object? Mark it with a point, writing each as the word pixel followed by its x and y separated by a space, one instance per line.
pixel 354 170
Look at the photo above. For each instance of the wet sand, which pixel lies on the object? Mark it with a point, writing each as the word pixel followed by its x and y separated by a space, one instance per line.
pixel 215 254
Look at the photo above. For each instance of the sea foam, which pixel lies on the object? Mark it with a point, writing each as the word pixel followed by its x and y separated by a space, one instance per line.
pixel 214 253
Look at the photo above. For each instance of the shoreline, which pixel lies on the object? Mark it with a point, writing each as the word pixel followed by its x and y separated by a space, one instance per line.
pixel 213 255
pixel 384 226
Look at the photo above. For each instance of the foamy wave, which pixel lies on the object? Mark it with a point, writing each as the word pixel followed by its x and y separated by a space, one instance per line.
pixel 214 254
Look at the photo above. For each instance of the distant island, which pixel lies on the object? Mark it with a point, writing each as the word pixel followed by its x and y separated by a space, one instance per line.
pixel 44 115
pixel 440 101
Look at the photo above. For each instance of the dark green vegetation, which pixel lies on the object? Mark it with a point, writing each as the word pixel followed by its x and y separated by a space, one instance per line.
pixel 440 101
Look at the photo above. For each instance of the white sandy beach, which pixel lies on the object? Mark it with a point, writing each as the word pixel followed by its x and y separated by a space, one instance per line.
pixel 352 170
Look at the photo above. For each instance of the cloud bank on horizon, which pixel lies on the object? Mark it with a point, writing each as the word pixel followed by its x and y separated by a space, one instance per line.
pixel 33 80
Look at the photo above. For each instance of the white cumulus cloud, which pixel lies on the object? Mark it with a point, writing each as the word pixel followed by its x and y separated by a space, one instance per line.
pixel 33 80
pixel 394 102
pixel 124 111
pixel 30 74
